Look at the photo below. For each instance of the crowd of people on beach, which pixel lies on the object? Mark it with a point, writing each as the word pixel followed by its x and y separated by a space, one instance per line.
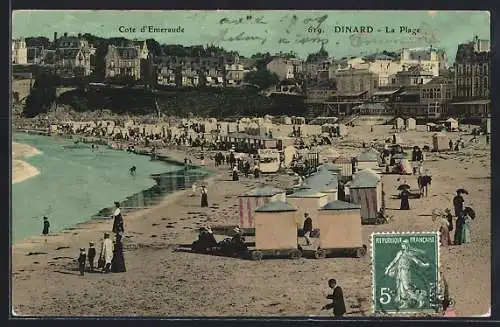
pixel 110 258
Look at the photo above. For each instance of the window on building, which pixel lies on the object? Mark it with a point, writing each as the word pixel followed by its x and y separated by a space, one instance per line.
pixel 485 84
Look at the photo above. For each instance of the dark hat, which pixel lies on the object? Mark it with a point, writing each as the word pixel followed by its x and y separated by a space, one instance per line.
pixel 82 249
pixel 45 218
pixel 117 203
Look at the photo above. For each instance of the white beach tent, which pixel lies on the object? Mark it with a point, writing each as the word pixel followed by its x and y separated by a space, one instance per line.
pixel 452 123
pixel 411 123
pixel 399 123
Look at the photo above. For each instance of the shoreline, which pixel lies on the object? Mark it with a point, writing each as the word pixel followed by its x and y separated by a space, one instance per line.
pixel 21 169
pixel 31 171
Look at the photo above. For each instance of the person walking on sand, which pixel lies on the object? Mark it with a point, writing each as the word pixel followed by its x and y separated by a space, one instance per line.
pixel 449 218
pixel 106 255
pixel 91 256
pixel 118 261
pixel 118 220
pixel 204 197
pixel 444 231
pixel 235 174
pixel 256 171
pixel 46 227
pixel 405 203
pixel 81 261
pixel 458 204
pixel 464 234
pixel 337 298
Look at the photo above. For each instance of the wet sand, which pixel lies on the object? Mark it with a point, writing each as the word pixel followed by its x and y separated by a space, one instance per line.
pixel 21 170
pixel 162 282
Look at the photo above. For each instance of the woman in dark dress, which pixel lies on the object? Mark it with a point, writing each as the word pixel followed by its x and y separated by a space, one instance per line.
pixel 118 262
pixel 256 171
pixel 405 203
pixel 458 204
pixel 457 238
pixel 46 226
pixel 235 174
pixel 118 220
pixel 204 196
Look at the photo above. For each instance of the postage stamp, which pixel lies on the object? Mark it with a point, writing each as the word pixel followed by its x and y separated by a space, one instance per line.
pixel 405 272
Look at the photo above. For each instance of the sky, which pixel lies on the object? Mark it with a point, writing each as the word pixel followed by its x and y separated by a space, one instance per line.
pixel 249 32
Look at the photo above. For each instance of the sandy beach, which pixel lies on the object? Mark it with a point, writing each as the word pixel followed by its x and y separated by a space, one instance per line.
pixel 162 282
pixel 21 170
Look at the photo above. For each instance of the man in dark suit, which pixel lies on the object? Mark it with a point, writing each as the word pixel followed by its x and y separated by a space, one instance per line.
pixel 337 298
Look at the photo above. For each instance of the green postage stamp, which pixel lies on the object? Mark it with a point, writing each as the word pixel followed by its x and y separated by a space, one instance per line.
pixel 405 272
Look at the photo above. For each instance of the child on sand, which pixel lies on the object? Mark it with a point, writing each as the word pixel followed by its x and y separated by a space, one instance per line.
pixel 81 261
pixel 91 256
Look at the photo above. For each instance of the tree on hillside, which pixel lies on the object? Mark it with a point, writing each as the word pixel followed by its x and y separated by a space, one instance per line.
pixel 42 96
pixel 154 47
pixel 262 78
pixel 262 59
pixel 37 41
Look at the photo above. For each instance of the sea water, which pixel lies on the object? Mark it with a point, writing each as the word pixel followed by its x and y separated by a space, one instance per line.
pixel 76 184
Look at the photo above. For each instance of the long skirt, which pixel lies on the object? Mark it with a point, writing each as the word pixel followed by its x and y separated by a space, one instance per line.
pixel 457 237
pixel 465 234
pixel 235 177
pixel 256 173
pixel 118 262
pixel 444 236
pixel 204 200
pixel 405 204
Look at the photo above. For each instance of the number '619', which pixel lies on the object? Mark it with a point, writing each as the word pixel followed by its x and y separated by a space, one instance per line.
pixel 313 29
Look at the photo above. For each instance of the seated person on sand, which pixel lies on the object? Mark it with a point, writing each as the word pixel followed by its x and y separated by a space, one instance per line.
pixel 307 228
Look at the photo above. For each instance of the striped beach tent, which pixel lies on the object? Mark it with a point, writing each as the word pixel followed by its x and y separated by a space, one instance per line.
pixel 366 190
pixel 248 202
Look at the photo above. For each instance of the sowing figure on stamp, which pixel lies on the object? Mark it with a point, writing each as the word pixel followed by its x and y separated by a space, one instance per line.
pixel 400 269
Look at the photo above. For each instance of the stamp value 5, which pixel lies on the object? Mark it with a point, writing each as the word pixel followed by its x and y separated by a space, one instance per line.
pixel 405 271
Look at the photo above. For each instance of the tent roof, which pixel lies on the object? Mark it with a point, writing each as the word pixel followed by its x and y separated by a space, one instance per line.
pixel 330 167
pixel 321 180
pixel 340 205
pixel 263 191
pixel 306 193
pixel 369 155
pixel 276 206
pixel 365 178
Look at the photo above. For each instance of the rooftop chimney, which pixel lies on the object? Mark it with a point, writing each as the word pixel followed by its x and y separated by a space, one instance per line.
pixel 65 34
pixel 55 36
pixel 79 35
